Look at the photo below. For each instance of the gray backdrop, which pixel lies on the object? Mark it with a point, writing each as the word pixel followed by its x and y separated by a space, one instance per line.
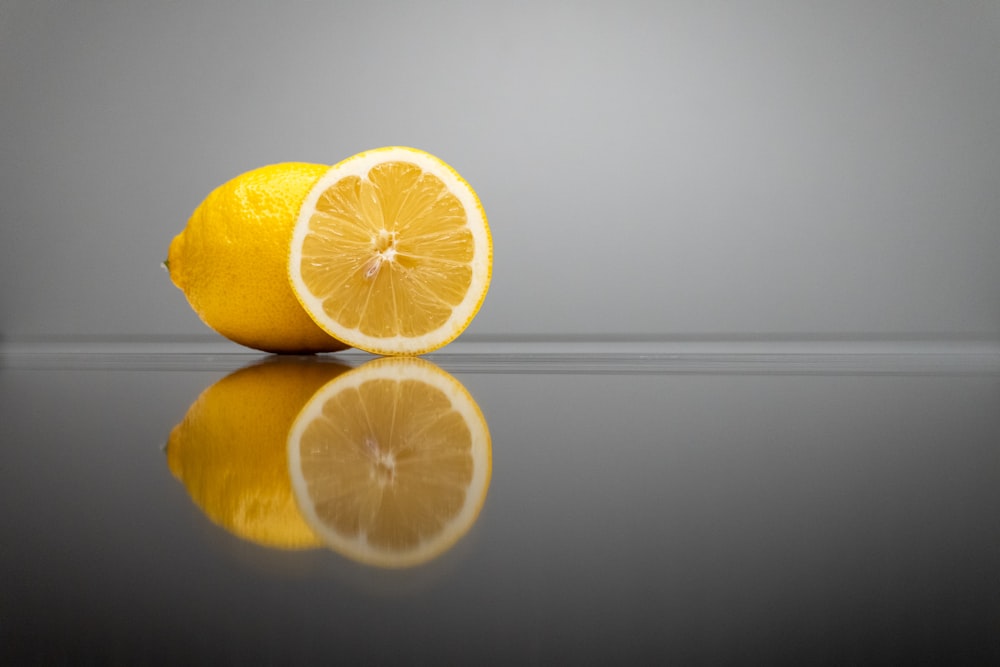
pixel 672 168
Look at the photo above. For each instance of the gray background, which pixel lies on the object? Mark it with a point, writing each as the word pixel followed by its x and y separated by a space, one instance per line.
pixel 675 168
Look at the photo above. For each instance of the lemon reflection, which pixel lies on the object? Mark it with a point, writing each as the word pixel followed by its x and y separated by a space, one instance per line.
pixel 391 462
pixel 229 450
pixel 387 464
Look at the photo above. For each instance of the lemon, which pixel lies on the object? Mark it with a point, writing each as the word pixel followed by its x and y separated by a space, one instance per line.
pixel 391 252
pixel 231 260
pixel 390 462
pixel 230 449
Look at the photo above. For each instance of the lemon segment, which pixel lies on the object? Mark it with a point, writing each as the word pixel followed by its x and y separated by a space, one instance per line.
pixel 391 252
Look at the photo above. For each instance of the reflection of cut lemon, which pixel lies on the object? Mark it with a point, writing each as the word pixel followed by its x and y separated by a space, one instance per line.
pixel 392 253
pixel 229 451
pixel 391 462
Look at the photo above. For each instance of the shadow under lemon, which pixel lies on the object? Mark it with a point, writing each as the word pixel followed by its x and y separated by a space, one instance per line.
pixel 387 464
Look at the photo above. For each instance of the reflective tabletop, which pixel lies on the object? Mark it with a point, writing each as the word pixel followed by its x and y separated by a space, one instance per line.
pixel 613 507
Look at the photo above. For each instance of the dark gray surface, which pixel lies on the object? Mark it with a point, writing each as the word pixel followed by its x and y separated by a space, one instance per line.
pixel 822 516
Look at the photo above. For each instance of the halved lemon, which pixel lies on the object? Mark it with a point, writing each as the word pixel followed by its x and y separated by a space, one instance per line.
pixel 390 463
pixel 392 253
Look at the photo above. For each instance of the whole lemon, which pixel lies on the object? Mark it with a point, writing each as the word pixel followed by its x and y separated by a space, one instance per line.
pixel 230 450
pixel 231 261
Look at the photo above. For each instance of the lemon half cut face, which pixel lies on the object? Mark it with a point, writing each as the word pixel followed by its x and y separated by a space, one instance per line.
pixel 390 463
pixel 391 252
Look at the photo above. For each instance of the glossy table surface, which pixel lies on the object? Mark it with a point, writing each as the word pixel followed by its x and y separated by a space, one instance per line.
pixel 691 507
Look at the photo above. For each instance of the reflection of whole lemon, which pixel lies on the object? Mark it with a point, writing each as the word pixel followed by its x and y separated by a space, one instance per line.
pixel 230 449
pixel 231 261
